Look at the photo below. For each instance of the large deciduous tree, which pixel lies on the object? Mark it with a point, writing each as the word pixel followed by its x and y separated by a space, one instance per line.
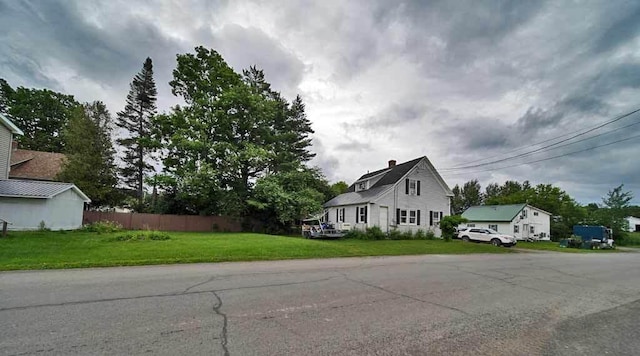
pixel 89 153
pixel 41 114
pixel 232 130
pixel 136 120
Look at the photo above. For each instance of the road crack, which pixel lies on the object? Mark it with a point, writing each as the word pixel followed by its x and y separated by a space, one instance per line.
pixel 223 334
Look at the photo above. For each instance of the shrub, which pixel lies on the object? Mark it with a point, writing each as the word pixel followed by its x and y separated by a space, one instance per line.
pixel 375 233
pixel 143 236
pixel 356 235
pixel 420 235
pixel 407 235
pixel 42 226
pixel 448 225
pixel 430 235
pixel 104 226
pixel 395 234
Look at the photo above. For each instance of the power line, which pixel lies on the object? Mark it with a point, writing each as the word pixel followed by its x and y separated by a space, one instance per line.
pixel 544 147
pixel 544 159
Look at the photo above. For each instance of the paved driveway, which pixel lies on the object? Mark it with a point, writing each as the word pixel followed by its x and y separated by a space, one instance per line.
pixel 516 304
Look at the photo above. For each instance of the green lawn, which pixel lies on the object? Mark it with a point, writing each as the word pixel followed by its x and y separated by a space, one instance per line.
pixel 43 250
pixel 555 246
pixel 632 239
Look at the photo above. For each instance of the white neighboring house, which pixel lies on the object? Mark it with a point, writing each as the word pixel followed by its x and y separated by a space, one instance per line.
pixel 25 204
pixel 407 196
pixel 634 223
pixel 520 220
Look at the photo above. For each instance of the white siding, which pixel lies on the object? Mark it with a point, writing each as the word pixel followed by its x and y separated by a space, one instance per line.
pixel 5 151
pixel 541 224
pixel 633 222
pixel 432 198
pixel 64 211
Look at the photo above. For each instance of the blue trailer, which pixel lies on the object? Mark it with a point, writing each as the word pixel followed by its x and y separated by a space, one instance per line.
pixel 595 236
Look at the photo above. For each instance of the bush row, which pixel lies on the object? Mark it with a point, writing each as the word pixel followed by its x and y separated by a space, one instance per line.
pixel 375 233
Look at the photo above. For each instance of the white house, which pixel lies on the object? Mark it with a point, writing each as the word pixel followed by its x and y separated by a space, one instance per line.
pixel 520 220
pixel 634 223
pixel 27 204
pixel 407 196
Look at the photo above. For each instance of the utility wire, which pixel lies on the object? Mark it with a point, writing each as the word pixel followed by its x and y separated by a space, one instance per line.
pixel 544 147
pixel 545 159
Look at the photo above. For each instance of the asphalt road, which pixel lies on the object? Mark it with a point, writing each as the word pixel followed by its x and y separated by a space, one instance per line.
pixel 516 304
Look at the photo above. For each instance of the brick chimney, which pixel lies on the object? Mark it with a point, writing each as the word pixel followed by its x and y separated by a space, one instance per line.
pixel 14 145
pixel 392 163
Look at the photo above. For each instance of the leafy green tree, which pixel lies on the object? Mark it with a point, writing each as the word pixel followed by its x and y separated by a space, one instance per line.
pixel 471 194
pixel 448 225
pixel 136 120
pixel 614 211
pixel 232 131
pixel 338 188
pixel 287 197
pixel 41 114
pixel 89 153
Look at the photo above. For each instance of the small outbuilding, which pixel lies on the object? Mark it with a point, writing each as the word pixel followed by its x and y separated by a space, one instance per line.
pixel 520 220
pixel 30 205
pixel 634 224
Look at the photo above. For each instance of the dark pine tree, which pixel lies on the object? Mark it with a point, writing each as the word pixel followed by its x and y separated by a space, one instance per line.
pixel 136 119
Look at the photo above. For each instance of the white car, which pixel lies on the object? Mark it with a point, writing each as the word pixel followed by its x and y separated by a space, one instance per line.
pixel 487 235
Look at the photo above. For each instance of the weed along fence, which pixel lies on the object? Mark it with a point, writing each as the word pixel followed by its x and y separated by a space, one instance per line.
pixel 164 222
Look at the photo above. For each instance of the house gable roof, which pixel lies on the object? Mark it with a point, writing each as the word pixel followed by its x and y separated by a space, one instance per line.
pixel 36 190
pixel 393 175
pixel 13 128
pixel 362 197
pixel 493 212
pixel 37 165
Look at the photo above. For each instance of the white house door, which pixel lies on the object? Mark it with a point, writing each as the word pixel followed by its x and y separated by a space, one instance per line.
pixel 525 231
pixel 384 219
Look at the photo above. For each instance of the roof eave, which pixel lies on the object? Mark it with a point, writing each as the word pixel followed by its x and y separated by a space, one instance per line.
pixel 12 127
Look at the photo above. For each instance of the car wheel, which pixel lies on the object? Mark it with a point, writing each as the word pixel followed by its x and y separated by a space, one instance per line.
pixel 465 238
pixel 496 242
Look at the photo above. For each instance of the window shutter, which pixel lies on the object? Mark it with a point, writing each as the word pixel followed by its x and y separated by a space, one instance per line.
pixel 337 215
pixel 418 216
pixel 397 216
pixel 406 186
pixel 440 215
pixel 418 187
pixel 357 215
pixel 343 214
pixel 430 218
pixel 365 214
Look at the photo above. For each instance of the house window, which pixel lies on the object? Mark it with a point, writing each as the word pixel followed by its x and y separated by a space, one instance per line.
pixel 516 229
pixel 341 215
pixel 363 214
pixel 493 227
pixel 535 213
pixel 412 217
pixel 412 187
pixel 362 186
pixel 435 218
pixel 532 229
pixel 471 225
pixel 543 234
pixel 403 217
pixel 524 214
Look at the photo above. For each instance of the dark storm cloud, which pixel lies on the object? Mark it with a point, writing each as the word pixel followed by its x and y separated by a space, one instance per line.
pixel 623 28
pixel 243 47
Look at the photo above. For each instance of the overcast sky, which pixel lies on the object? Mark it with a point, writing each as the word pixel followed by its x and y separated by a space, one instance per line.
pixel 457 81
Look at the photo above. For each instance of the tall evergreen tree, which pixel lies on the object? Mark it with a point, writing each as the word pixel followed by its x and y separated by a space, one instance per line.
pixel 136 119
pixel 90 154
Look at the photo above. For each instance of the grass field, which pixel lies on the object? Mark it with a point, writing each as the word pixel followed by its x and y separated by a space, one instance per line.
pixel 44 250
pixel 632 239
pixel 554 246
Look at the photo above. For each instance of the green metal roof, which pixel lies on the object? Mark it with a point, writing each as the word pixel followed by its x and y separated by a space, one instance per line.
pixel 493 212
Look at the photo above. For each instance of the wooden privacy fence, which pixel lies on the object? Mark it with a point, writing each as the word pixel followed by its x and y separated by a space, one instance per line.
pixel 165 222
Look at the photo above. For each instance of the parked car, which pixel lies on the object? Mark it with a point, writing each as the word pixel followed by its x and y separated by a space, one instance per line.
pixel 459 230
pixel 487 235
